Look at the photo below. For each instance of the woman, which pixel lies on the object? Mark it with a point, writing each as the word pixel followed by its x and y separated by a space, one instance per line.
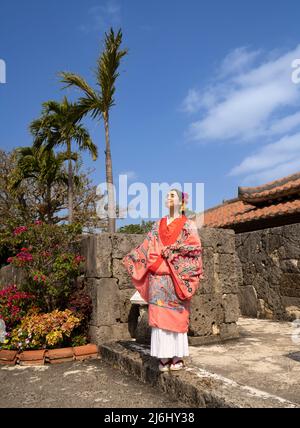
pixel 166 269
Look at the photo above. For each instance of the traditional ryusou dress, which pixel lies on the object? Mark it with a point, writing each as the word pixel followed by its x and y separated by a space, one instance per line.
pixel 166 269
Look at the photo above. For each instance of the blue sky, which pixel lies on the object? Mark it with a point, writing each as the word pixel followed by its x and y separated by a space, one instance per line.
pixel 205 94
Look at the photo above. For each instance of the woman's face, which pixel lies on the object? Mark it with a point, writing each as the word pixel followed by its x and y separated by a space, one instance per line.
pixel 172 199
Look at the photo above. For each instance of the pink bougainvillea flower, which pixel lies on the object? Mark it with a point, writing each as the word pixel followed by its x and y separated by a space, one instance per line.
pixel 24 256
pixel 19 230
pixel 38 222
pixel 10 259
pixel 79 259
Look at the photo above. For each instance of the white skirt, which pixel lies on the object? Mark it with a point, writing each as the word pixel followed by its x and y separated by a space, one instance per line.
pixel 168 344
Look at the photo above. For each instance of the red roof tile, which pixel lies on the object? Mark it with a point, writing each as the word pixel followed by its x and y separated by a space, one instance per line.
pixel 283 187
pixel 244 209
pixel 225 214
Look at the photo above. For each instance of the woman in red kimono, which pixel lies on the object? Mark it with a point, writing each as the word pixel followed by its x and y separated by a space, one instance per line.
pixel 166 269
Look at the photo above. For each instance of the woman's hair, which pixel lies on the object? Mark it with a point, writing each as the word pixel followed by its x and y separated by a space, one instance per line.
pixel 182 198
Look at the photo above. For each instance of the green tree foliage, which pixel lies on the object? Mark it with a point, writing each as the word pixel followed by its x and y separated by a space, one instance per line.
pixel 145 227
pixel 98 103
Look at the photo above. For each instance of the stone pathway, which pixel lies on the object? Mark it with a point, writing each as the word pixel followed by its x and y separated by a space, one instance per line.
pixel 266 357
pixel 260 369
pixel 91 383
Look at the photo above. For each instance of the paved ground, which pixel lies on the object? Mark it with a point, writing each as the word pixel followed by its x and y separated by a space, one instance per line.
pixel 260 359
pixel 261 368
pixel 91 383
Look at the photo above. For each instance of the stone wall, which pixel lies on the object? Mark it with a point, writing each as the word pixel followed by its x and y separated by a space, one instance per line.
pixel 270 261
pixel 214 309
pixel 10 275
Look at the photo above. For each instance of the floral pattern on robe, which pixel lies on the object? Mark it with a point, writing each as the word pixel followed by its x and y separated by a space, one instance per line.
pixel 167 276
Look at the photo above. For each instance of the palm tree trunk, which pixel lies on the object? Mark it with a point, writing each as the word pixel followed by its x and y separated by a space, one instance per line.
pixel 109 177
pixel 49 203
pixel 70 184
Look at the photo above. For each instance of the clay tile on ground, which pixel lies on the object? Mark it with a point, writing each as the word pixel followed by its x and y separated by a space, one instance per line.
pixel 85 349
pixel 53 354
pixel 31 355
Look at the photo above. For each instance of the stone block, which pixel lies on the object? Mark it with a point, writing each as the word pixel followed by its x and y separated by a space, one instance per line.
pixel 290 284
pixel 270 263
pixel 230 303
pixel 220 240
pixel 143 330
pixel 239 272
pixel 97 250
pixel 291 301
pixel 119 272
pixel 248 301
pixel 263 310
pixel 105 295
pixel 125 304
pixel 123 243
pixel 103 334
pixel 226 271
pixel 229 331
pixel 204 340
pixel 207 285
pixel 206 313
pixel 292 312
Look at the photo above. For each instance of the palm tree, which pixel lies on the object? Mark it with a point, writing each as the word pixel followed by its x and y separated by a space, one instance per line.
pixel 98 103
pixel 45 168
pixel 58 126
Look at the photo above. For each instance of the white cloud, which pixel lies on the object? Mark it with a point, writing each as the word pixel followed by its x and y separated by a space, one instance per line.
pixel 281 156
pixel 285 124
pixel 238 60
pixel 242 106
pixel 244 114
pixel 251 101
pixel 102 17
pixel 194 101
pixel 278 171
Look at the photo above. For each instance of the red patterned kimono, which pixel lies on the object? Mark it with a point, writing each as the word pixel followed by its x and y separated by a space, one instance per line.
pixel 166 269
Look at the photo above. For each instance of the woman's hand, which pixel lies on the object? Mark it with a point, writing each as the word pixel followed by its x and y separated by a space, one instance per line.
pixel 165 253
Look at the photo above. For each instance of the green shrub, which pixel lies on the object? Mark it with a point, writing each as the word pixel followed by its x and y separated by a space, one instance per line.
pixel 39 330
pixel 50 258
pixel 14 305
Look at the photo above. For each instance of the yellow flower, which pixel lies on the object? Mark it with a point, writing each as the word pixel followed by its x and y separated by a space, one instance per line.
pixel 54 337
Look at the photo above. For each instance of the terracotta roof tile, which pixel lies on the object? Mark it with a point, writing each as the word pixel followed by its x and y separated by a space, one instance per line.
pixel 241 210
pixel 289 185
pixel 225 213
pixel 221 218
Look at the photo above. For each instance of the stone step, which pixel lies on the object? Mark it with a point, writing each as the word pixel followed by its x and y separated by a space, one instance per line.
pixel 193 386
